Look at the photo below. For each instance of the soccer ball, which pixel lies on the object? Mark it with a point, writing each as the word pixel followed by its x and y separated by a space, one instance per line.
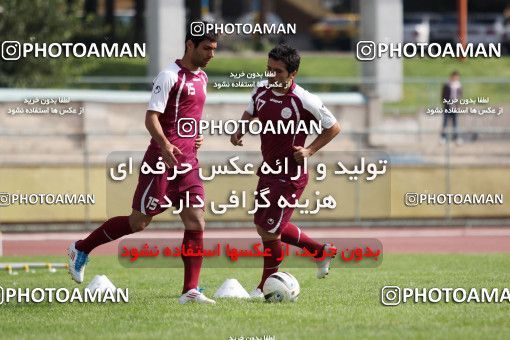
pixel 281 286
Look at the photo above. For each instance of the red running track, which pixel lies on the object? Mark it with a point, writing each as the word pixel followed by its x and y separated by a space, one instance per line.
pixel 394 240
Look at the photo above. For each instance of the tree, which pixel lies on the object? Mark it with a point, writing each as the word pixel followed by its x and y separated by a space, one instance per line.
pixel 89 8
pixel 139 21
pixel 110 17
pixel 37 21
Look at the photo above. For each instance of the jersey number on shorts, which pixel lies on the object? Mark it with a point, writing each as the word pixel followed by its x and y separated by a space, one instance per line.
pixel 152 203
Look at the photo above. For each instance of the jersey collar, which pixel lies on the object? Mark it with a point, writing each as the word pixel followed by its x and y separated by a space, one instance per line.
pixel 290 92
pixel 179 63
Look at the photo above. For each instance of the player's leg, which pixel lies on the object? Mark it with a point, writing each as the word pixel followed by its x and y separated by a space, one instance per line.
pixel 114 228
pixel 293 235
pixel 190 187
pixel 456 136
pixel 443 127
pixel 149 191
pixel 271 263
pixel 268 221
pixel 110 230
pixel 194 225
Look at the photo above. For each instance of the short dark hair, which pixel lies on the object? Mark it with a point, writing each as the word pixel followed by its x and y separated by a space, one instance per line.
pixel 288 55
pixel 455 73
pixel 196 37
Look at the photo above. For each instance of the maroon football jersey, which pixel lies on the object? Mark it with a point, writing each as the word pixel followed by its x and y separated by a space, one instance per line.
pixel 179 94
pixel 296 105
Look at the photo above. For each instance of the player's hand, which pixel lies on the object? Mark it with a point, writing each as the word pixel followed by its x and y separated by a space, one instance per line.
pixel 300 153
pixel 168 153
pixel 236 140
pixel 199 141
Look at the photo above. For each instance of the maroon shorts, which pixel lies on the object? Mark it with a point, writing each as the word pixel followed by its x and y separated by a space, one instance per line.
pixel 273 218
pixel 152 189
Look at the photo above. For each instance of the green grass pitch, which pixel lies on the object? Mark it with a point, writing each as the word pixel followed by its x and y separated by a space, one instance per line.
pixel 344 305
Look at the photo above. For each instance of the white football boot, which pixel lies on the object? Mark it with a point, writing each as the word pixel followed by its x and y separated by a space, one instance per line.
pixel 256 294
pixel 323 265
pixel 193 295
pixel 77 262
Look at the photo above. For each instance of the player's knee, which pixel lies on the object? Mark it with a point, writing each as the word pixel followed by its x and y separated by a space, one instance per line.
pixel 201 224
pixel 139 223
pixel 139 226
pixel 195 223
pixel 193 220
pixel 266 236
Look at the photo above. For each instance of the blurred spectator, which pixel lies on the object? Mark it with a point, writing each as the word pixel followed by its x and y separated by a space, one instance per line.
pixel 451 93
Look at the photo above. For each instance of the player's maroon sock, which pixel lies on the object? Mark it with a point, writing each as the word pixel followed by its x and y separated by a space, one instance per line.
pixel 271 263
pixel 111 230
pixel 291 234
pixel 193 239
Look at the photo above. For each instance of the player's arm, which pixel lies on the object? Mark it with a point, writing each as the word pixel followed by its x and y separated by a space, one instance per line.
pixel 248 115
pixel 199 141
pixel 168 150
pixel 236 138
pixel 160 92
pixel 324 138
pixel 443 94
pixel 330 127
